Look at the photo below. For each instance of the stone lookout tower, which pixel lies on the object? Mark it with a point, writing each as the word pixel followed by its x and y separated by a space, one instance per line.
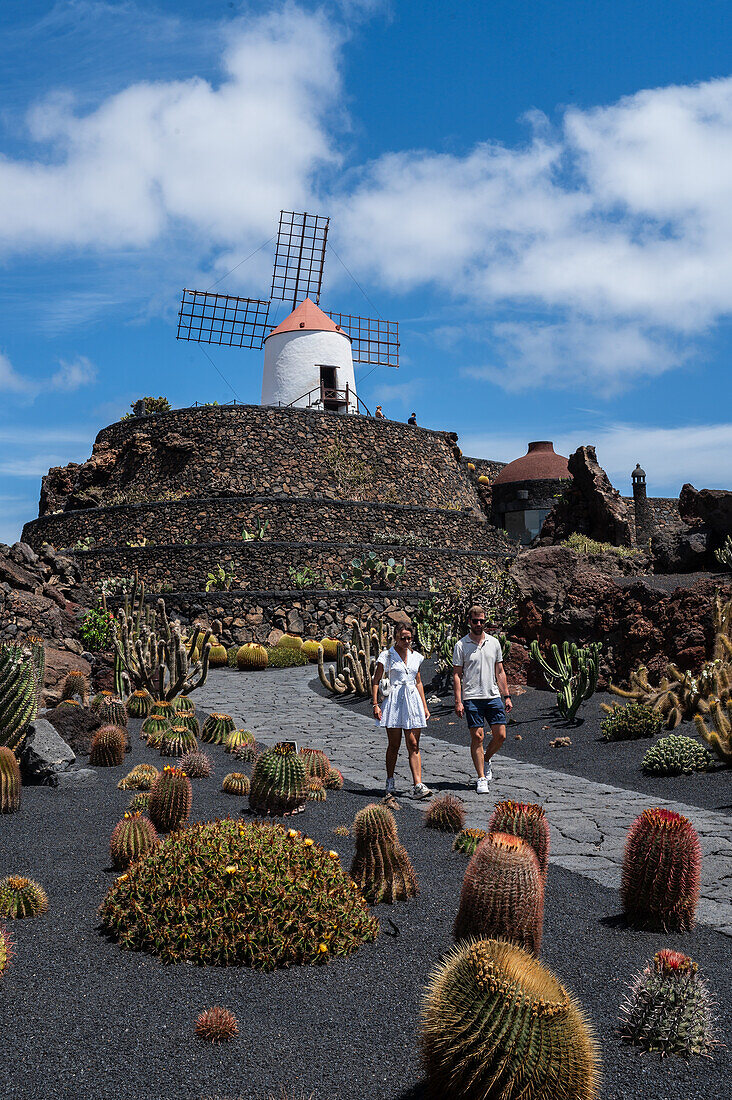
pixel 308 361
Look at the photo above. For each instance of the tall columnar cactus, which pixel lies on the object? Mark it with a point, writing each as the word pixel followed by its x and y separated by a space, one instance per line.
pixel 216 728
pixel 251 657
pixel 131 838
pixel 668 1008
pixel 75 683
pixel 108 746
pixel 496 1023
pixel 381 866
pixel 317 763
pixel 468 840
pixel 718 734
pixel 21 897
pixel 503 893
pixel 355 660
pixel 574 675
pixel 170 800
pixel 527 820
pixel 279 782
pixel 152 652
pixel 661 871
pixel 139 704
pixel 22 669
pixel 9 781
pixel 177 741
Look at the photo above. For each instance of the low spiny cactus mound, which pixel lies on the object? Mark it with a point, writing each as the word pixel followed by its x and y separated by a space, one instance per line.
pixel 75 683
pixel 217 1025
pixel 527 820
pixel 290 641
pixel 6 949
pixel 668 1007
pixel 317 763
pixel 446 814
pixel 279 782
pixel 108 745
pixel 195 898
pixel 170 800
pixel 237 739
pixel 251 657
pixel 131 838
pixel 155 740
pixel 285 657
pixel 216 728
pixel 468 840
pixel 675 755
pixel 217 657
pixel 196 765
pixel 112 711
pixel 154 727
pixel 141 778
pixel 99 699
pixel 333 780
pixel 631 722
pixel 316 790
pixel 21 897
pixel 342 830
pixel 498 1024
pixel 139 803
pixel 177 741
pixel 236 783
pixel 231 653
pixel 248 753
pixel 503 893
pixel 139 704
pixel 381 866
pixel 10 785
pixel 661 872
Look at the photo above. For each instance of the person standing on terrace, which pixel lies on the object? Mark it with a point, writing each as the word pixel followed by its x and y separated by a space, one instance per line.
pixel 479 681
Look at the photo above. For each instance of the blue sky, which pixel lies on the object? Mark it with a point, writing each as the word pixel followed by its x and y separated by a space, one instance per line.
pixel 539 193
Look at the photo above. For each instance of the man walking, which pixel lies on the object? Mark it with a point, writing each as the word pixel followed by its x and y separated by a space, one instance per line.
pixel 479 681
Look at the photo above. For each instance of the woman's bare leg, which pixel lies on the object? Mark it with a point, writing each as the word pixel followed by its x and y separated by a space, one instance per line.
pixel 411 738
pixel 392 751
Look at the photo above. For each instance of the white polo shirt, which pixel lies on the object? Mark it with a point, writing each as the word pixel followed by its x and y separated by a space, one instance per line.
pixel 478 663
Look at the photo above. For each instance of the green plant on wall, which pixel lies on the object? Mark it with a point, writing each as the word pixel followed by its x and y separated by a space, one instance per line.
pixel 86 543
pixel 220 579
pixel 371 572
pixel 146 406
pixel 258 534
pixel 96 629
pixel 305 577
pixel 349 474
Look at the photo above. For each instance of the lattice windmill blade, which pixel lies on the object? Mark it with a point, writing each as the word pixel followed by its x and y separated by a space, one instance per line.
pixel 373 341
pixel 209 318
pixel 299 256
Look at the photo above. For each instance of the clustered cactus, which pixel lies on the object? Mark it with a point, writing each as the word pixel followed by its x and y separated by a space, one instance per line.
pixel 236 783
pixel 22 669
pixel 21 897
pixel 661 872
pixel 503 893
pixel 718 734
pixel 179 901
pixel 279 782
pixel 315 790
pixel 668 1008
pixel 633 721
pixel 527 820
pixel 446 814
pixel 131 838
pixel 496 1023
pixel 216 728
pixel 468 840
pixel 216 1025
pixel 573 676
pixel 141 778
pixel 108 746
pixel 381 866
pixel 10 784
pixel 355 660
pixel 676 755
pixel 170 800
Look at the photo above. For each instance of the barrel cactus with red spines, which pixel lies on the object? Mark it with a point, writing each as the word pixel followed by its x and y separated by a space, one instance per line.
pixel 196 765
pixel 216 727
pixel 668 1007
pixel 279 782
pixel 333 780
pixel 177 741
pixel 496 1023
pixel 381 866
pixel 446 814
pixel 10 785
pixel 316 763
pixel 237 739
pixel 503 893
pixel 468 840
pixel 139 704
pixel 661 872
pixel 170 800
pixel 527 820
pixel 131 838
pixel 217 1025
pixel 21 897
pixel 108 746
pixel 236 783
pixel 99 699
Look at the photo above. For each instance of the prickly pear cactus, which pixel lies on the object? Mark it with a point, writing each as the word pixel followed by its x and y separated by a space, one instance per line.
pixel 279 782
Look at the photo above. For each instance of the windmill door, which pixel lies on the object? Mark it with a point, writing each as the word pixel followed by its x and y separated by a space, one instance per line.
pixel 329 394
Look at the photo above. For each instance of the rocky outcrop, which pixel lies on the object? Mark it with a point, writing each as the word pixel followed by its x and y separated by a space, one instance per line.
pixel 44 754
pixel 639 619
pixel 589 505
pixel 681 549
pixel 712 508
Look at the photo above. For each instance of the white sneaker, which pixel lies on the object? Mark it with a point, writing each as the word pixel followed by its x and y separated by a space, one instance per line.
pixel 488 771
pixel 421 791
pixel 482 785
pixel 391 785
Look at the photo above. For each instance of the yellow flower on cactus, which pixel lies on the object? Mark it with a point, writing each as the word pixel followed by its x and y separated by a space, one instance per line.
pixel 323 948
pixel 231 869
pixel 308 842
pixel 332 854
pixel 292 833
pixel 123 878
pixel 127 815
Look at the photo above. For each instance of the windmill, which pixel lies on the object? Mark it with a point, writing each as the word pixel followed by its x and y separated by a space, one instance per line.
pixel 309 357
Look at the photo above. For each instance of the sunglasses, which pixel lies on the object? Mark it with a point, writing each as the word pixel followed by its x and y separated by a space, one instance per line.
pixel 478 622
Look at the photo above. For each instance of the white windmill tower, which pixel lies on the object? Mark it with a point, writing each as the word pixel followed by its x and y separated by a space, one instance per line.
pixel 309 357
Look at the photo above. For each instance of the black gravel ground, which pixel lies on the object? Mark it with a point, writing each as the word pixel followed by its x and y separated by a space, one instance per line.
pixel 79 1017
pixel 536 720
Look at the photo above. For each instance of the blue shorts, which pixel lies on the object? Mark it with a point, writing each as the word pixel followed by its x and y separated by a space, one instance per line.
pixel 484 712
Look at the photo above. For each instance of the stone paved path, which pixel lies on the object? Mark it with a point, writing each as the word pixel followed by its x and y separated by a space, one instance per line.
pixel 588 820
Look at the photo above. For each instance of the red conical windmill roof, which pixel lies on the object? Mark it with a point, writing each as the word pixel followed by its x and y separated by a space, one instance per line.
pixel 307 317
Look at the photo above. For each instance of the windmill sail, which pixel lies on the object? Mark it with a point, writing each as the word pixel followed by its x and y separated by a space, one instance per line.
pixel 223 319
pixel 373 341
pixel 299 256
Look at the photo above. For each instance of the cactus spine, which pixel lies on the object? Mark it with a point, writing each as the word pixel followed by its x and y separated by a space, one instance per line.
pixel 196 765
pixel 170 800
pixel 22 669
pixel 527 820
pixel 279 782
pixel 216 727
pixel 316 790
pixel 661 871
pixel 718 735
pixel 381 866
pixel 131 838
pixel 107 749
pixel 333 780
pixel 9 782
pixel 496 1023
pixel 112 711
pixel 503 893
pixel 668 1007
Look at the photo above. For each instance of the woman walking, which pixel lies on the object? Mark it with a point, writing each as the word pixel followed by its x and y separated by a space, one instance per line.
pixel 405 708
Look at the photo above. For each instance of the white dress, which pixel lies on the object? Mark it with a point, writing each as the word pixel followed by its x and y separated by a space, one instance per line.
pixel 402 708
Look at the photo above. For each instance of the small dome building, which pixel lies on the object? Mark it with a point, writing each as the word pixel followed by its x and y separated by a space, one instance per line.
pixel 525 489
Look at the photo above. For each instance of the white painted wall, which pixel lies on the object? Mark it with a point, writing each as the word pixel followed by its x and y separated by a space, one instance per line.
pixel 292 363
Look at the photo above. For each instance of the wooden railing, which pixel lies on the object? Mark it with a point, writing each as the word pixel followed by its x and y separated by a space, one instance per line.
pixel 322 396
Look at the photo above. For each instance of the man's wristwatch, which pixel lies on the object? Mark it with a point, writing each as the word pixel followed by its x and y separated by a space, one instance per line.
pixel 505 697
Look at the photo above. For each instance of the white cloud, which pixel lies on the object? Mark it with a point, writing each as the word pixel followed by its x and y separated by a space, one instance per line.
pixel 11 381
pixel 73 374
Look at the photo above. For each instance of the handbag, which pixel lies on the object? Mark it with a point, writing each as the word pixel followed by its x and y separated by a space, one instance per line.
pixel 385 682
